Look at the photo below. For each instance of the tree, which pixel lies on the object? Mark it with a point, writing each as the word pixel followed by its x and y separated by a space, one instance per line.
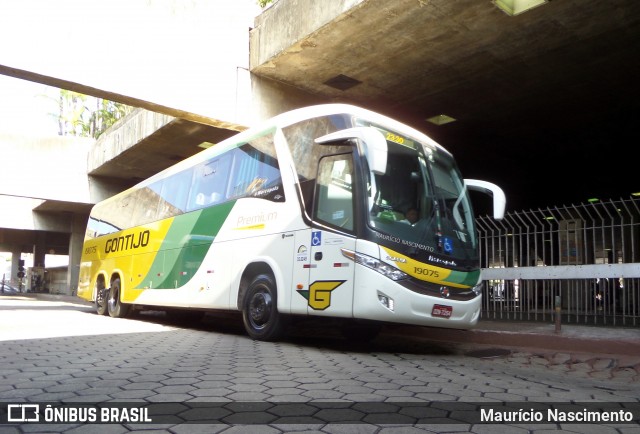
pixel 76 117
pixel 263 3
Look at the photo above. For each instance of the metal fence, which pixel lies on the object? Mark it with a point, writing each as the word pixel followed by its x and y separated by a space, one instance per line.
pixel 588 255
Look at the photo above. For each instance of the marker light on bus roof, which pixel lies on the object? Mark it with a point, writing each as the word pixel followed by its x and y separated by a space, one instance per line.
pixel 441 119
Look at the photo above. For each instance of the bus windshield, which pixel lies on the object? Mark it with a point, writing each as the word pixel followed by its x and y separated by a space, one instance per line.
pixel 421 204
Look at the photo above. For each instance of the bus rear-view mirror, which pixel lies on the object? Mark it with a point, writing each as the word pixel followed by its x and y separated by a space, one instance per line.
pixel 373 142
pixel 499 199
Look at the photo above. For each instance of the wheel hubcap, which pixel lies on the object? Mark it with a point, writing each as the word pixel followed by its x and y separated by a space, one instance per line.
pixel 113 300
pixel 260 309
pixel 100 297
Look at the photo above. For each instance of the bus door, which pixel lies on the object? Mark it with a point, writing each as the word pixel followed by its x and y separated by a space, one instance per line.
pixel 330 290
pixel 330 275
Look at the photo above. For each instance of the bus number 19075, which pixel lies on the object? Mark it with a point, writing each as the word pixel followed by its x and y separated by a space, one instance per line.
pixel 426 272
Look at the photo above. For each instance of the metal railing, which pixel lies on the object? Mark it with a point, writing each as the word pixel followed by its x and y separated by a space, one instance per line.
pixel 587 254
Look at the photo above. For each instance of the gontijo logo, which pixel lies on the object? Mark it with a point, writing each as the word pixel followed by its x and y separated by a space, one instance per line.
pixel 319 293
pixel 126 242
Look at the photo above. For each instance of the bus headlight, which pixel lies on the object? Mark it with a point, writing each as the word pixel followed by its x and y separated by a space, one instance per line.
pixel 478 288
pixel 385 269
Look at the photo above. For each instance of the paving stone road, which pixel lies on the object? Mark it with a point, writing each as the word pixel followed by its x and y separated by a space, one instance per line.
pixel 312 381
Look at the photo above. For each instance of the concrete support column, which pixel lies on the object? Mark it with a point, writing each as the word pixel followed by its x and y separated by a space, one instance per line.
pixel 39 249
pixel 15 260
pixel 78 225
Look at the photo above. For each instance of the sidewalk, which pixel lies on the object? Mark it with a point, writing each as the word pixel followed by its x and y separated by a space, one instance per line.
pixel 605 340
pixel 611 340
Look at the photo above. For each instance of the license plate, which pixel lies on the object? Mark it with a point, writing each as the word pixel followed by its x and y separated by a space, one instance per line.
pixel 441 311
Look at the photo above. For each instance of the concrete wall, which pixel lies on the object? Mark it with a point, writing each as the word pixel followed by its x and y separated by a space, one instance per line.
pixel 271 97
pixel 292 21
pixel 53 168
pixel 35 171
pixel 56 280
pixel 17 212
pixel 126 133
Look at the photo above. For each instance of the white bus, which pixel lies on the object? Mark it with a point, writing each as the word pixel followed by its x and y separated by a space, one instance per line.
pixel 329 210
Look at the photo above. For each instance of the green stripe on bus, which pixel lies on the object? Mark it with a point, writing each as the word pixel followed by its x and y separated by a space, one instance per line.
pixel 463 277
pixel 185 246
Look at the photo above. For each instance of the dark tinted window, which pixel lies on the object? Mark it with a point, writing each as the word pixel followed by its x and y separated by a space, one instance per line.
pixel 250 170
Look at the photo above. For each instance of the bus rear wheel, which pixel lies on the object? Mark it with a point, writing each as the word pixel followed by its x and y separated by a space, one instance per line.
pixel 260 315
pixel 116 308
pixel 101 300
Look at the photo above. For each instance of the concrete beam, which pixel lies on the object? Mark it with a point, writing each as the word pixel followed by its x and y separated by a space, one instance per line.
pixel 115 96
pixel 123 136
pixel 183 59
pixel 144 143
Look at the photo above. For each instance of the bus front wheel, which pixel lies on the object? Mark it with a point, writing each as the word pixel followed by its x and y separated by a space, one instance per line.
pixel 260 315
pixel 116 308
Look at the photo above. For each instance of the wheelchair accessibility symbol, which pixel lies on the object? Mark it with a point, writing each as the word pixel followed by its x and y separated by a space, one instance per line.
pixel 316 238
pixel 448 245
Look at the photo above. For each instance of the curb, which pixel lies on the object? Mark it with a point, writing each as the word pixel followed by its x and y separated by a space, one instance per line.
pixel 45 296
pixel 534 335
pixel 569 342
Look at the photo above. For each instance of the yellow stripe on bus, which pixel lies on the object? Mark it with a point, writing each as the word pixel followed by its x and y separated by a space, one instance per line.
pixel 420 270
pixel 250 227
pixel 130 253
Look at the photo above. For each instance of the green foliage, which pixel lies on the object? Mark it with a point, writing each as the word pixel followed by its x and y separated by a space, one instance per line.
pixel 85 116
pixel 263 3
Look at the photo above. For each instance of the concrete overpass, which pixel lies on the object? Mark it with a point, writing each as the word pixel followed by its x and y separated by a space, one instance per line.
pixel 550 93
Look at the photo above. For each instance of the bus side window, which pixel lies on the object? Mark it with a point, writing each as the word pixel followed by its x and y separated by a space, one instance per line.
pixel 145 205
pixel 209 182
pixel 256 172
pixel 173 193
pixel 334 191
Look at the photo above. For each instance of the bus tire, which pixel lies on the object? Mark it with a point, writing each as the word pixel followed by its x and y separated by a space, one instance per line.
pixel 101 300
pixel 116 308
pixel 260 315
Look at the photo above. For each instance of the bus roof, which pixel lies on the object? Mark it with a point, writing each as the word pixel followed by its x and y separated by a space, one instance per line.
pixel 289 118
pixel 309 112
